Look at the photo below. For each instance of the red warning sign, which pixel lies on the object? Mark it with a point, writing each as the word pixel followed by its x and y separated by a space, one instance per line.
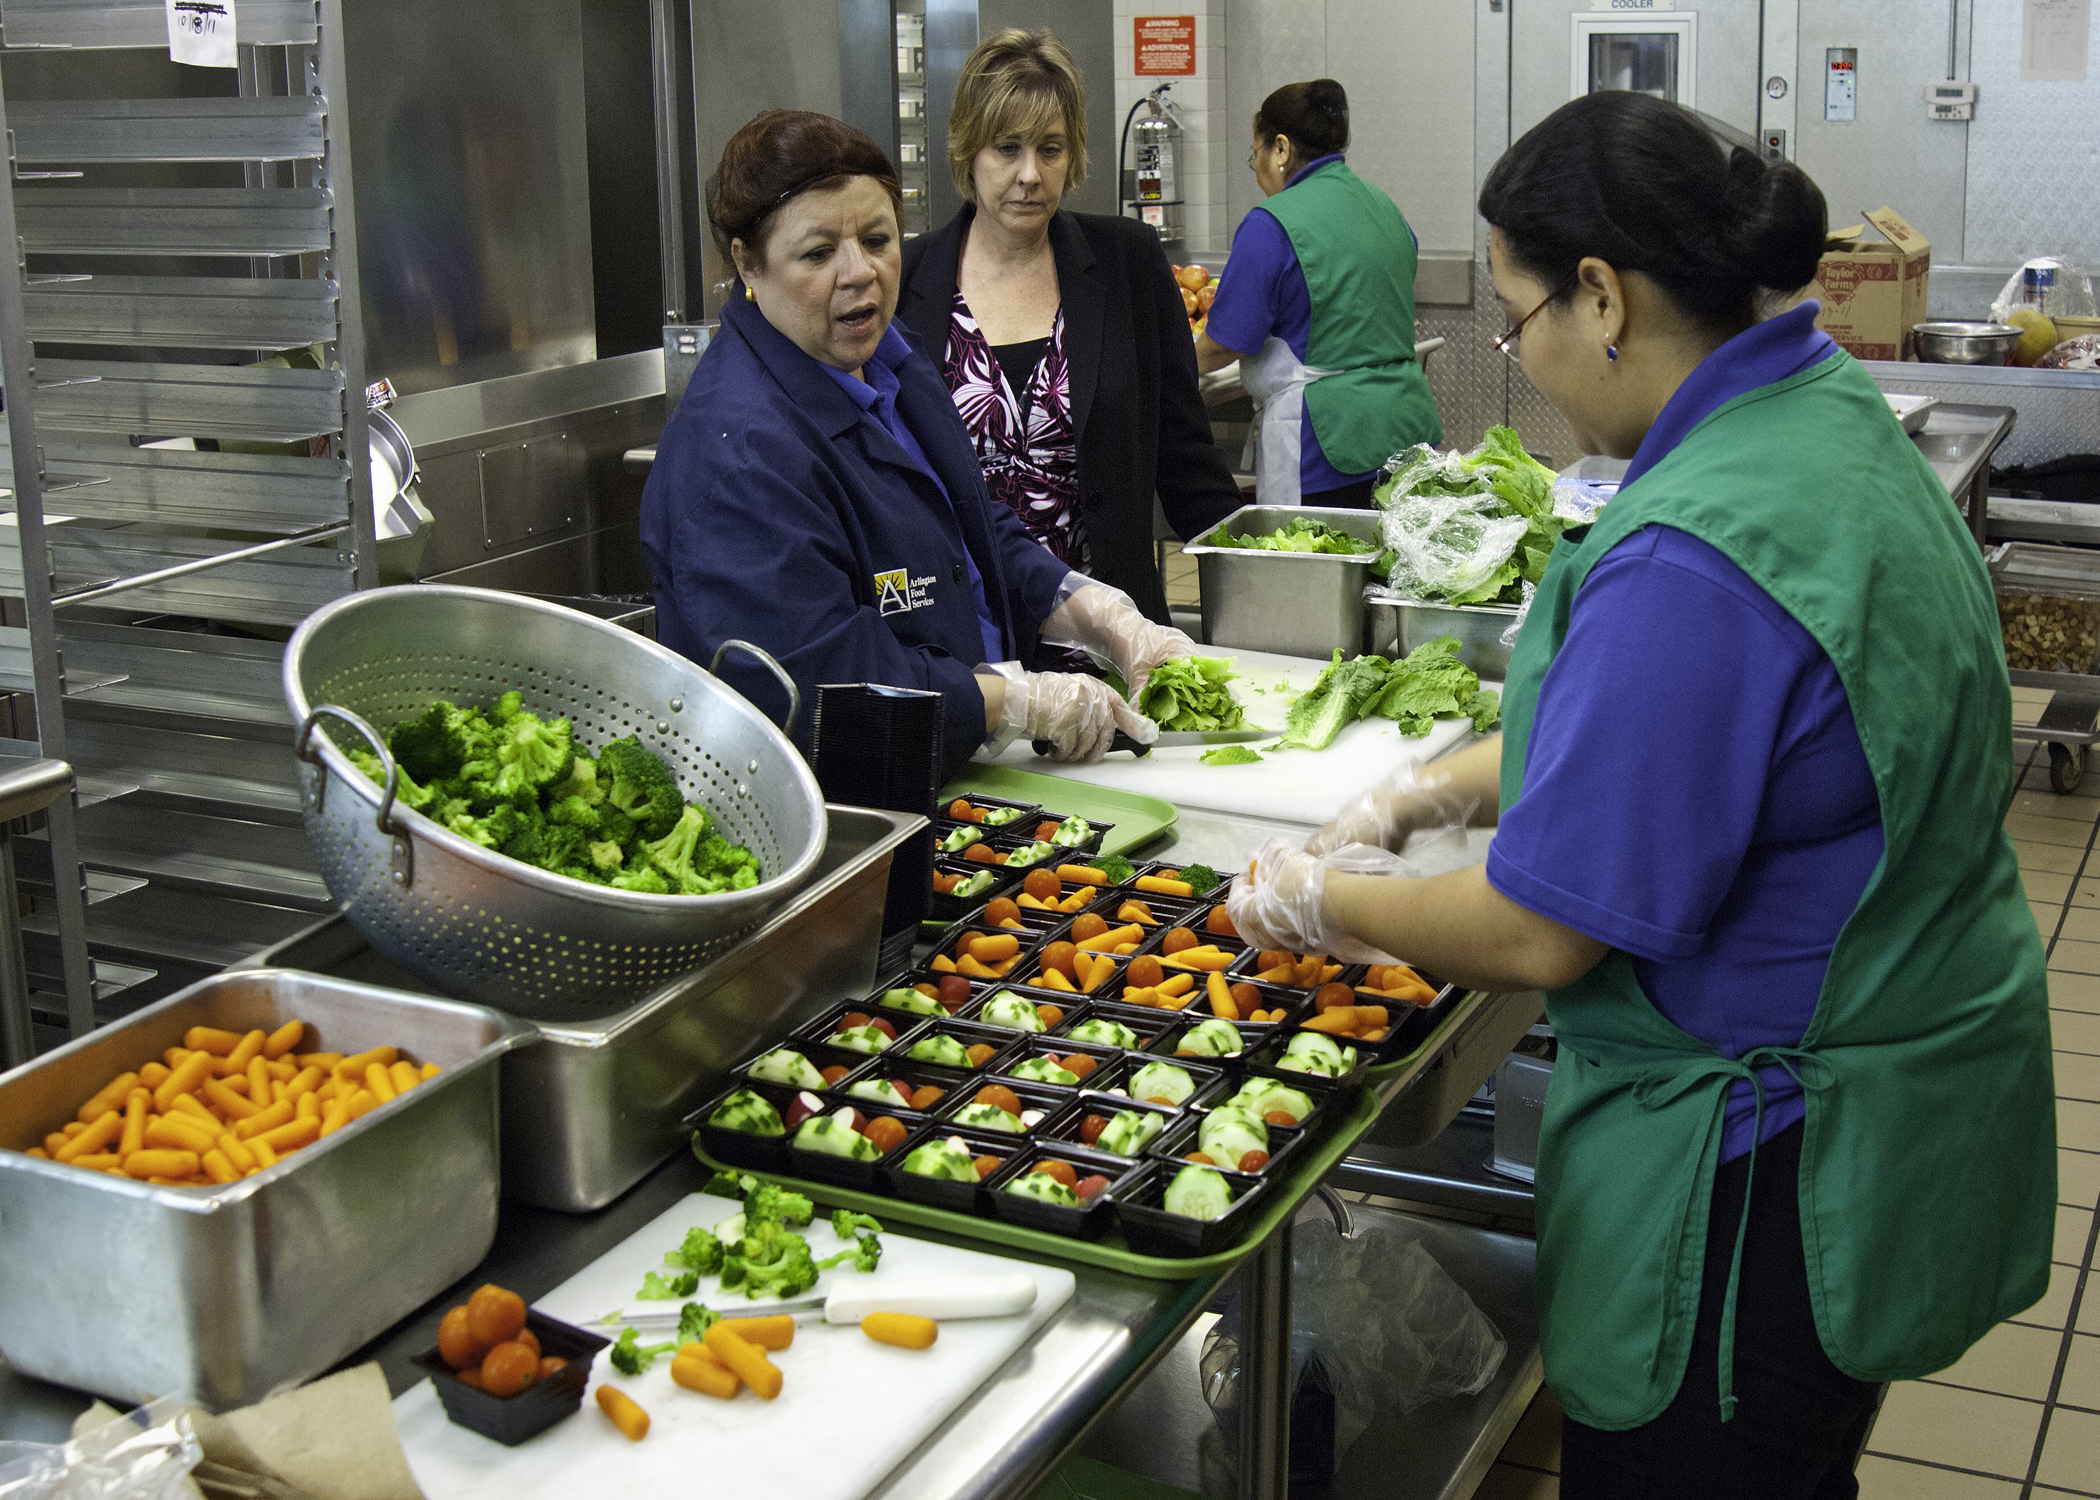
pixel 1165 46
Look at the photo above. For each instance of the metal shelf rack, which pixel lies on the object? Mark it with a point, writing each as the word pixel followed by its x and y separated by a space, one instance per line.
pixel 186 437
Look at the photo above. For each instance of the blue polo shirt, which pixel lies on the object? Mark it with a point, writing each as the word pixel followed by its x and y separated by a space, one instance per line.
pixel 1262 295
pixel 1694 791
pixel 876 396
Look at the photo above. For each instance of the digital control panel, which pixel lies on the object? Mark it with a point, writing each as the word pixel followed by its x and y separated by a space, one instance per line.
pixel 1840 83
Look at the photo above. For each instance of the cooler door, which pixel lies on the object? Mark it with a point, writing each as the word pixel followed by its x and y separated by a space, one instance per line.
pixel 1653 53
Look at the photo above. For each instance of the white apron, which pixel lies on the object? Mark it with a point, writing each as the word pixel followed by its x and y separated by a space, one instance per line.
pixel 1275 381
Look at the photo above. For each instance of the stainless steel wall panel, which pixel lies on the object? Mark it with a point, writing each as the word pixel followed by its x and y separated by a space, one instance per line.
pixel 172 221
pixel 187 312
pixel 463 414
pixel 163 400
pixel 171 487
pixel 467 125
pixel 281 589
pixel 2032 153
pixel 218 677
pixel 83 131
pixel 142 23
pixel 530 491
pixel 2059 409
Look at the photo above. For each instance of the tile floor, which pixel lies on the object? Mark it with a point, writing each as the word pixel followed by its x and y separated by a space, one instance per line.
pixel 2019 1416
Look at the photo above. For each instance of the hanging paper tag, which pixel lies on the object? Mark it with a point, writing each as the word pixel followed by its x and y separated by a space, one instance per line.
pixel 200 33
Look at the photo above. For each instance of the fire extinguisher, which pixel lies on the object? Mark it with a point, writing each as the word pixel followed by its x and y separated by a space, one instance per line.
pixel 1152 188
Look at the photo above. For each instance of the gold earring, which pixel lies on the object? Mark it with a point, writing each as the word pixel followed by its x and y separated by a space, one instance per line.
pixel 750 295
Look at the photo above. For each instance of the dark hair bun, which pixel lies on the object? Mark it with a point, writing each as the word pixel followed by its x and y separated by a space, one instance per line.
pixel 1314 116
pixel 1650 186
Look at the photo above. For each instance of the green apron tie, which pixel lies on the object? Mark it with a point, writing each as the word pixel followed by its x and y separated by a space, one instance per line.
pixel 1654 1091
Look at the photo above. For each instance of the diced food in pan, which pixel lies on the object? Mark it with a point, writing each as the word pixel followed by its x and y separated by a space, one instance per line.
pixel 1321 1056
pixel 785 1065
pixel 748 1112
pixel 1198 1193
pixel 1212 1038
pixel 1162 1083
pixel 1129 1132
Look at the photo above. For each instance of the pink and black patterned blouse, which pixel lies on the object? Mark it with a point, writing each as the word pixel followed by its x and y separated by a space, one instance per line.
pixel 1024 438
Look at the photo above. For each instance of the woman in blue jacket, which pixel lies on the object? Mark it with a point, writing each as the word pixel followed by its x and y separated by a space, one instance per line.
pixel 816 493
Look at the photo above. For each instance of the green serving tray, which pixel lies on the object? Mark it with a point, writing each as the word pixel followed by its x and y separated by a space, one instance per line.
pixel 1138 819
pixel 1355 1116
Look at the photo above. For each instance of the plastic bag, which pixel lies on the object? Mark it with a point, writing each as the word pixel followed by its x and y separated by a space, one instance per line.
pixel 142 1455
pixel 1446 546
pixel 1388 1327
pixel 2068 291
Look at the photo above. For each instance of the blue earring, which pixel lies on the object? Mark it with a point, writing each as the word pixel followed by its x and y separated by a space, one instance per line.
pixel 1611 352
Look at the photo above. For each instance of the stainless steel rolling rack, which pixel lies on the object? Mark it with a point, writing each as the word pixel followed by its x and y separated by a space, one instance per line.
pixel 199 464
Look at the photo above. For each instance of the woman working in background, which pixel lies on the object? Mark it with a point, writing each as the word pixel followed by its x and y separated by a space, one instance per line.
pixel 815 492
pixel 1800 1135
pixel 1061 336
pixel 1318 305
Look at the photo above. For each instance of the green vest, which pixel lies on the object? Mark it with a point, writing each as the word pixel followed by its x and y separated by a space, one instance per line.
pixel 1359 264
pixel 1928 1165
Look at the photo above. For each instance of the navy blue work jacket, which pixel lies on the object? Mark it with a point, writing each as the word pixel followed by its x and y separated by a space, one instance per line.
pixel 778 513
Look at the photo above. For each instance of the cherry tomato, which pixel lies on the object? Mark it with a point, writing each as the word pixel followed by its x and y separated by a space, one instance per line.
pixel 1046 830
pixel 1042 884
pixel 962 812
pixel 927 988
pixel 985 1165
pixel 494 1315
pixel 853 1018
pixel 1001 909
pixel 1145 972
pixel 1089 924
pixel 946 884
pixel 1061 1170
pixel 1245 996
pixel 1078 1064
pixel 884 1027
pixel 1177 939
pixel 1050 1015
pixel 550 1363
pixel 1254 1161
pixel 1199 1159
pixel 1000 1095
pixel 834 1073
pixel 886 1132
pixel 927 1097
pixel 509 1368
pixel 458 1346
pixel 1091 1127
pixel 953 992
pixel 1279 1117
pixel 1060 956
pixel 1091 1187
pixel 981 1054
pixel 983 855
pixel 1220 922
pixel 1328 996
pixel 1271 959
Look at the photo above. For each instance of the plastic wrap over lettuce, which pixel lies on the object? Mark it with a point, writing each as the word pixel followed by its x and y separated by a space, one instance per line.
pixel 1468 528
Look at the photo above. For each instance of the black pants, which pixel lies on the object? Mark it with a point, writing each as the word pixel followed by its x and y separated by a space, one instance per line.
pixel 1355 496
pixel 1799 1420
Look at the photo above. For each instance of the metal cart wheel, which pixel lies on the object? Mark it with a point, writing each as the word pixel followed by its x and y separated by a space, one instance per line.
pixel 2066 767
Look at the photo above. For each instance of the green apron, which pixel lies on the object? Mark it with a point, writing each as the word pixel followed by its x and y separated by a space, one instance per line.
pixel 1372 398
pixel 1928 1162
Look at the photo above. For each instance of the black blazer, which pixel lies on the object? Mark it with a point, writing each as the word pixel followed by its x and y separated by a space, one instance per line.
pixel 1140 422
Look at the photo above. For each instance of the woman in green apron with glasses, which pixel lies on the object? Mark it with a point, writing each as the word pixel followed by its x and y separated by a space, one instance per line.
pixel 1749 798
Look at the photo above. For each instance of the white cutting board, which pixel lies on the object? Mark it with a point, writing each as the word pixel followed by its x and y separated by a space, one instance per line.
pixel 1292 786
pixel 849 1411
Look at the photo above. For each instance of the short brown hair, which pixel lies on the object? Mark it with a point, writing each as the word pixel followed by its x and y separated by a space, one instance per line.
pixel 1016 82
pixel 779 154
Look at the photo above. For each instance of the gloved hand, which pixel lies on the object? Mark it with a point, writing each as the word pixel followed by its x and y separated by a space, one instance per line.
pixel 1412 798
pixel 1279 903
pixel 1077 714
pixel 1103 620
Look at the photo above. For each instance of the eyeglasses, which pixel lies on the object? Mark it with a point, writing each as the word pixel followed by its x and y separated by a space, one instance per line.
pixel 1507 343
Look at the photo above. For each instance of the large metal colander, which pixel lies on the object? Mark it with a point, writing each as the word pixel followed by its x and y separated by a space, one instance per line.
pixel 487 928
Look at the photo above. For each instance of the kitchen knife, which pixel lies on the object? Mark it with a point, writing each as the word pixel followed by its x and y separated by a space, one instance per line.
pixel 940 1298
pixel 1172 737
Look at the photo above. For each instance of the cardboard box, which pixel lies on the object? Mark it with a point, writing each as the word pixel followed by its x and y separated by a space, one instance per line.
pixel 1873 292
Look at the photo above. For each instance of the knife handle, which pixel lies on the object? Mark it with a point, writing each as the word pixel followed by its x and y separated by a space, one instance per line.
pixel 933 1297
pixel 1122 741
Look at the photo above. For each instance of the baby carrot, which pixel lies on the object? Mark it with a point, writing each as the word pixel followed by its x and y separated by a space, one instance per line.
pixel 632 1421
pixel 697 1370
pixel 774 1333
pixel 902 1329
pixel 746 1359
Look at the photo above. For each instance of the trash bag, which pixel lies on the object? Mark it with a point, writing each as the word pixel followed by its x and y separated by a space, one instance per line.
pixel 1375 1320
pixel 143 1455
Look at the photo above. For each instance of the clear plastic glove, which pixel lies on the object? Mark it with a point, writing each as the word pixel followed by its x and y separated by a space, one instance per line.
pixel 1078 715
pixel 1280 901
pixel 1413 799
pixel 1104 621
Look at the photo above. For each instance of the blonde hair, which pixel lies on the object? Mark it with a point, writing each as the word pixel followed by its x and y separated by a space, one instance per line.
pixel 1016 83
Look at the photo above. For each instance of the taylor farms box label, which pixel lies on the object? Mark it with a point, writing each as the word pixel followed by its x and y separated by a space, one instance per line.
pixel 1873 291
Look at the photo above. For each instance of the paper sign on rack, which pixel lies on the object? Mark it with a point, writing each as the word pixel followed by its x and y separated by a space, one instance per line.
pixel 200 33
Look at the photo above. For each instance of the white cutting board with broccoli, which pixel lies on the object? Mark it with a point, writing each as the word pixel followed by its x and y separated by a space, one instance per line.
pixel 849 1410
pixel 1292 786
